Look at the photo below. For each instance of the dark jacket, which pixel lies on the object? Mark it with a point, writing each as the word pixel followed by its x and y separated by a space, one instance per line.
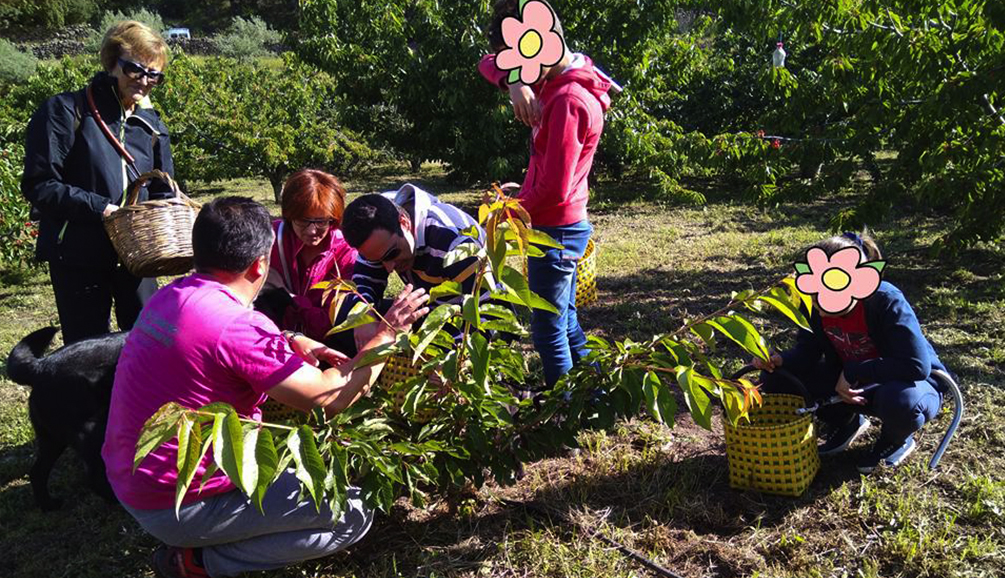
pixel 904 352
pixel 72 172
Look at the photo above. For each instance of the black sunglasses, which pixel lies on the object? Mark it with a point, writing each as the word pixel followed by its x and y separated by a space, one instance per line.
pixel 391 254
pixel 136 71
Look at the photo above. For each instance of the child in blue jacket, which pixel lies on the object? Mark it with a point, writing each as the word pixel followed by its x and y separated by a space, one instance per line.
pixel 874 356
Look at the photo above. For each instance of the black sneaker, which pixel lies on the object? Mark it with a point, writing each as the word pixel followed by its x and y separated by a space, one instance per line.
pixel 842 437
pixel 887 454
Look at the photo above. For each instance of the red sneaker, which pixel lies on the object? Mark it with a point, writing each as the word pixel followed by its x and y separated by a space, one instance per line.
pixel 172 562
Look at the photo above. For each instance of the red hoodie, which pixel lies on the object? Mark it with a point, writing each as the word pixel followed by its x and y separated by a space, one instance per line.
pixel 555 191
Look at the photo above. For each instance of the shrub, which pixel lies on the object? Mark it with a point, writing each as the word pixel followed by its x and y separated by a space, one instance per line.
pixel 16 228
pixel 232 119
pixel 246 39
pixel 16 66
pixel 45 13
pixel 151 19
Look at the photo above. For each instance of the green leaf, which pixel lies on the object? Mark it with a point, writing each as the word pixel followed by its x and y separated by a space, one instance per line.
pixel 514 75
pixel 376 354
pixel 667 404
pixel 802 268
pixel 469 311
pixel 743 333
pixel 431 326
pixel 358 315
pixel 779 298
pixel 160 428
pixel 268 463
pixel 228 445
pixel 445 289
pixel 310 468
pixel 697 400
pixel 544 239
pixel 479 350
pixel 411 403
pixel 189 456
pixel 498 311
pixel 249 465
pixel 497 253
pixel 650 389
pixel 462 252
pixel 706 333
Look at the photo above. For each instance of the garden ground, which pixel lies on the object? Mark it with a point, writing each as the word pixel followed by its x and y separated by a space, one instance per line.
pixel 663 492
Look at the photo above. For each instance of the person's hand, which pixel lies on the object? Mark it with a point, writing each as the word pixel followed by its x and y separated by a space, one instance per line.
pixel 109 209
pixel 407 308
pixel 526 106
pixel 773 362
pixel 847 393
pixel 314 352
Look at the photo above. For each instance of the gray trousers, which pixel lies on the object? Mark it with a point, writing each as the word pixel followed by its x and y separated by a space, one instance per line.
pixel 235 537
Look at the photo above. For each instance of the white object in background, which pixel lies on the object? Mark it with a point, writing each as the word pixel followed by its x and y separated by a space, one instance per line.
pixel 778 56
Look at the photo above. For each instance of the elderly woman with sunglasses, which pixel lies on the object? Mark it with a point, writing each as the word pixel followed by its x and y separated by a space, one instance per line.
pixel 309 248
pixel 82 151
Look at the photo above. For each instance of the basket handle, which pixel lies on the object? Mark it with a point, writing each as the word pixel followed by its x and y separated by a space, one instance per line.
pixel 135 186
pixel 807 398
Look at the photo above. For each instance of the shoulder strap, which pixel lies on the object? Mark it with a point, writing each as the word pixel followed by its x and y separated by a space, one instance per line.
pixel 282 257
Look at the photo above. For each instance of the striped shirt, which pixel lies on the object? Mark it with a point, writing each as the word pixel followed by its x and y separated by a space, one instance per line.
pixel 437 230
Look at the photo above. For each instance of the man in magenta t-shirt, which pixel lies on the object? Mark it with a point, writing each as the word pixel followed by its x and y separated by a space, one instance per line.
pixel 198 341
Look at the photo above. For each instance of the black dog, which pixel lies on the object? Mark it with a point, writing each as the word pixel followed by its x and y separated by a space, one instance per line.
pixel 273 303
pixel 71 389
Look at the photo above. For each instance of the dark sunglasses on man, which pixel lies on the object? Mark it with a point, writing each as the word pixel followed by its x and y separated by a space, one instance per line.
pixel 137 71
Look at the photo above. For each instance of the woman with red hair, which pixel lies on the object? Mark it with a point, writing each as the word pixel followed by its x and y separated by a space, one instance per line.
pixel 309 248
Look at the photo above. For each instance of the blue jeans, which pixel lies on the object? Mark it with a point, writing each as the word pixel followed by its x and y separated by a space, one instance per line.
pixel 902 406
pixel 236 538
pixel 558 338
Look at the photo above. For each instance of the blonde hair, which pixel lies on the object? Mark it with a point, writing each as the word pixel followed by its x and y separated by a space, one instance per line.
pixel 135 38
pixel 863 241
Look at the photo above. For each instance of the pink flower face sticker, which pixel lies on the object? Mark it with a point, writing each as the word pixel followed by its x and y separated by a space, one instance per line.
pixel 838 281
pixel 531 43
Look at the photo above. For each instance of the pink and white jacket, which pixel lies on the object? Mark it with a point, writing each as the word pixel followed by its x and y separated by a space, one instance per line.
pixel 310 311
pixel 555 190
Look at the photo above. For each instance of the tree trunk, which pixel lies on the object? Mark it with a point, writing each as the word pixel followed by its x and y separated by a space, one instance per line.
pixel 277 187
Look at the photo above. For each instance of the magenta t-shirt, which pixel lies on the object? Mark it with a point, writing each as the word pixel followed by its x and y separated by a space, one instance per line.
pixel 194 343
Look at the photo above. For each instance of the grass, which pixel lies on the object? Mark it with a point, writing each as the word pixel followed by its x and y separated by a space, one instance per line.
pixel 662 492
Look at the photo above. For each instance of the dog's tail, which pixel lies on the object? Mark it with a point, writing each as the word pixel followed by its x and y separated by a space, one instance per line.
pixel 21 363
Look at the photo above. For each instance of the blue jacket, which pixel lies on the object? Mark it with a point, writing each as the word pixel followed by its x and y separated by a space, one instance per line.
pixel 904 352
pixel 72 172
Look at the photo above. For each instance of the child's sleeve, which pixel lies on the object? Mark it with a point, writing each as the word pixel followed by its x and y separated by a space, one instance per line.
pixel 905 351
pixel 805 354
pixel 568 123
pixel 487 67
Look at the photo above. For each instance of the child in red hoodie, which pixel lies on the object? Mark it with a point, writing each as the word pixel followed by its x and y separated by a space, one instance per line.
pixel 565 110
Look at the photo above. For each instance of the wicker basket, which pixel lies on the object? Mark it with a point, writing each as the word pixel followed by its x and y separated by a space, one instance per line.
pixel 154 238
pixel 776 453
pixel 275 412
pixel 398 369
pixel 586 276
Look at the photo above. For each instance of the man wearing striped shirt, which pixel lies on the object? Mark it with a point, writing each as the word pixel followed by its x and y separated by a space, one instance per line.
pixel 410 232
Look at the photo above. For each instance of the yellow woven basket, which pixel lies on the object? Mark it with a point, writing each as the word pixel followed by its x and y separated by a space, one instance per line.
pixel 586 276
pixel 397 371
pixel 776 453
pixel 275 412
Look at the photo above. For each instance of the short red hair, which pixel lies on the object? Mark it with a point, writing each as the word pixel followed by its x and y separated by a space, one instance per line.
pixel 310 193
